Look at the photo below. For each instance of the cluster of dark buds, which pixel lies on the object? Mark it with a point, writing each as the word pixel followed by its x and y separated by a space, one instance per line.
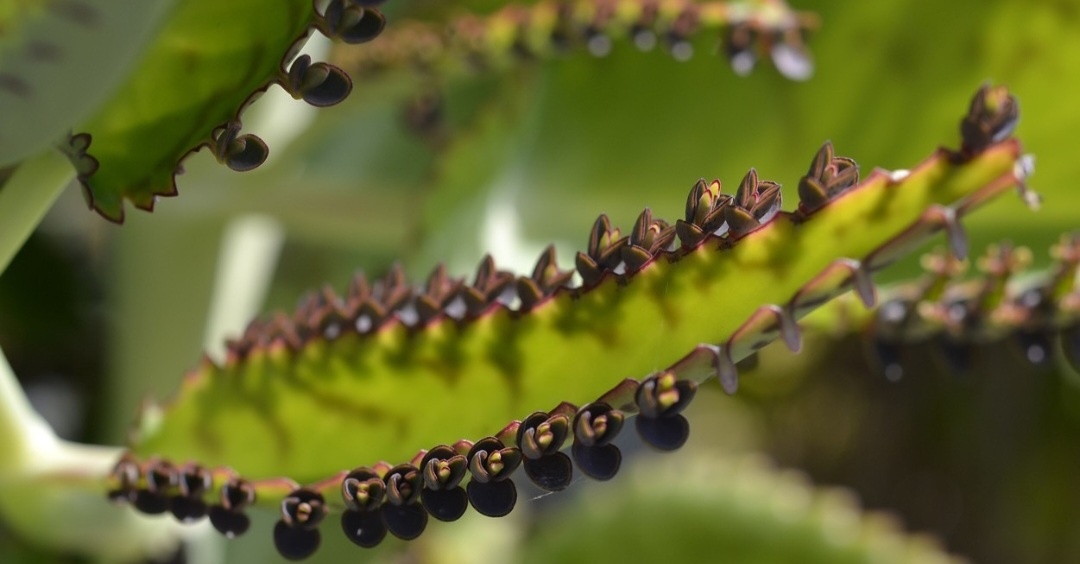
pixel 709 213
pixel 160 487
pixel 399 500
pixel 559 26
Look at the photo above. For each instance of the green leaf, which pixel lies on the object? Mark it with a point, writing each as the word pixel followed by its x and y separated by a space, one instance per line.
pixel 731 509
pixel 60 61
pixel 343 382
pixel 193 79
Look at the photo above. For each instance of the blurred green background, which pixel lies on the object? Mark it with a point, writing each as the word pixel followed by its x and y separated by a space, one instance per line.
pixel 95 317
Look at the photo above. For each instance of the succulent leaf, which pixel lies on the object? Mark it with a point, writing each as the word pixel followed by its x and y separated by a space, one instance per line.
pixel 403 380
pixel 165 114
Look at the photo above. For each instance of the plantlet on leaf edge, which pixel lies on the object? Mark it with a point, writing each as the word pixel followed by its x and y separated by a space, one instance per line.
pixel 167 116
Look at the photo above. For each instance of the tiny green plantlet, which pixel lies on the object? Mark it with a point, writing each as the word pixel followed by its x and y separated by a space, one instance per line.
pixel 417 389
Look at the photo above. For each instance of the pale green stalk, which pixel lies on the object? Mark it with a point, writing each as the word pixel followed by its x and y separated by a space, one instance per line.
pixel 51 491
pixel 25 198
pixel 22 431
pixel 249 252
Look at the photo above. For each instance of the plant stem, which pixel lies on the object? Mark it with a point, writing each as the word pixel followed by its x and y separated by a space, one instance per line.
pixel 52 492
pixel 25 198
pixel 249 251
pixel 22 430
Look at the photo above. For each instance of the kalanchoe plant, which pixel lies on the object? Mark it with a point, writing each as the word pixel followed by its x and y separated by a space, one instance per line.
pixel 333 365
pixel 397 404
